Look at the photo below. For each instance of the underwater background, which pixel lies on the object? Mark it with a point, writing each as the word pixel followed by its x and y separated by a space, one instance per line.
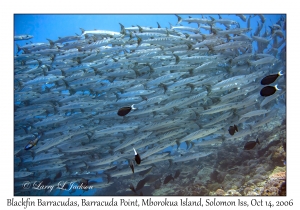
pixel 190 89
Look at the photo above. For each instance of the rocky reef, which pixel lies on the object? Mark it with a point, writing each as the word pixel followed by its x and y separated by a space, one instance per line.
pixel 231 171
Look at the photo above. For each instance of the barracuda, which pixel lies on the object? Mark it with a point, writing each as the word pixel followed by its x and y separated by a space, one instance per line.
pixel 46 167
pixel 207 142
pixel 218 119
pixel 113 129
pixel 100 32
pixel 265 60
pixel 44 80
pixel 164 78
pixel 150 101
pixel 235 31
pixel 165 40
pixel 271 98
pixel 131 141
pixel 22 37
pixel 202 133
pixel 127 171
pixel 242 91
pixel 51 120
pixel 194 20
pixel 219 108
pixel 157 158
pixel 232 45
pixel 134 93
pixel 172 94
pixel 158 148
pixel 48 143
pixel 108 86
pixel 263 122
pixel 46 156
pixel 185 28
pixel 191 157
pixel 254 113
pixel 160 125
pixel 33 46
pixel 21 174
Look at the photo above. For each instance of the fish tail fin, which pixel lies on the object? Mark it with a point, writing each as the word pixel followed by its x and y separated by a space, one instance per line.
pixel 236 128
pixel 177 59
pixel 164 87
pixel 179 19
pixel 193 144
pixel 167 31
pixel 257 141
pixel 210 48
pixel 82 31
pixel 158 26
pixel 191 86
pixel 19 48
pixel 72 91
pixel 117 96
pixel 187 144
pixel 140 29
pixel 108 177
pixel 151 68
pixel 178 144
pixel 240 118
pixel 198 124
pixel 249 63
pixel 137 73
pixel 20 83
pixel 122 29
pixel 67 168
pixel 191 71
pixel 186 35
pixel 208 89
pixel 130 36
pixel 280 73
pixel 171 26
pixel 86 165
pixel 171 163
pixel 46 69
pixel 212 19
pixel 51 43
pixel 66 83
pixel 139 41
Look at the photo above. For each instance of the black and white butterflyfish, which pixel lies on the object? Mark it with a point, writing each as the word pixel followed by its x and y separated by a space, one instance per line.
pixel 251 144
pixel 268 90
pixel 125 110
pixel 270 78
pixel 137 157
pixel 33 143
pixel 232 129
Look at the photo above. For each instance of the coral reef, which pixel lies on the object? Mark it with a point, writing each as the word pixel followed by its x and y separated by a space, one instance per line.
pixel 220 192
pixel 233 172
pixel 276 184
pixel 233 193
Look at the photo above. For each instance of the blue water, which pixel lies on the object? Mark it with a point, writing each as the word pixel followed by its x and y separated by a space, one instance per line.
pixel 44 27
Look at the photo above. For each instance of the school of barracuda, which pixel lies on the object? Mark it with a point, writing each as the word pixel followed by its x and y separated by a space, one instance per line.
pixel 187 88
